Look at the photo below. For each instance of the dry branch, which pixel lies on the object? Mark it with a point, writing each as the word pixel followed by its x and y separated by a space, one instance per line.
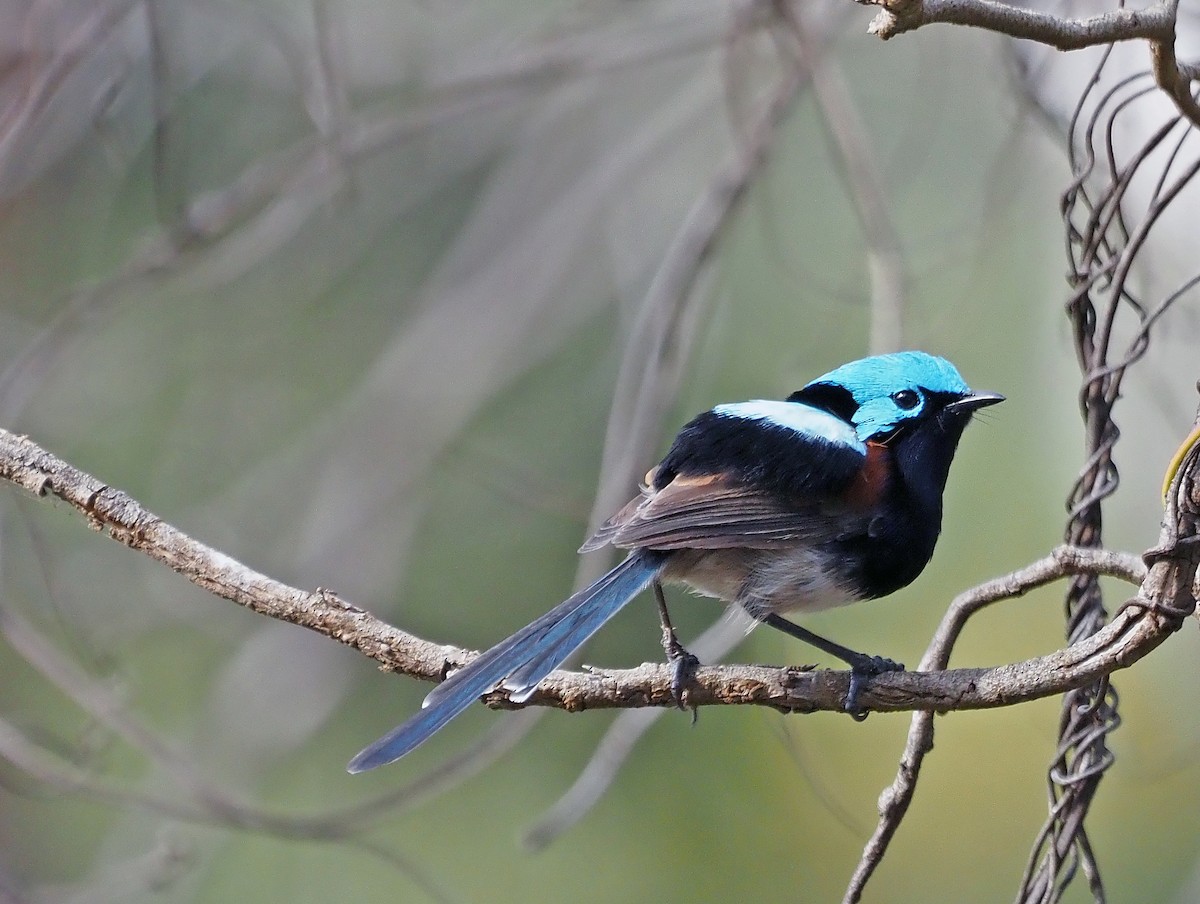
pixel 1154 24
pixel 1063 33
pixel 1133 633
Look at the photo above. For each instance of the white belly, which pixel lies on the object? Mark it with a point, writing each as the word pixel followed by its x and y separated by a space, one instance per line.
pixel 762 581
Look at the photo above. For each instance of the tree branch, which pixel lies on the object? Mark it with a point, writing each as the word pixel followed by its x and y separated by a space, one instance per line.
pixel 1155 24
pixel 1173 77
pixel 1133 633
pixel 894 801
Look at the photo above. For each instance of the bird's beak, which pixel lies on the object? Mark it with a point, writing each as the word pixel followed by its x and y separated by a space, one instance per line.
pixel 975 400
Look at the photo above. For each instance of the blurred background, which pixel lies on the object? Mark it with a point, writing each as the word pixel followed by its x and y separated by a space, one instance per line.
pixel 397 299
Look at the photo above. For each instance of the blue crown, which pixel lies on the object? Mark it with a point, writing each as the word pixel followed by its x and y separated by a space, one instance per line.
pixel 881 375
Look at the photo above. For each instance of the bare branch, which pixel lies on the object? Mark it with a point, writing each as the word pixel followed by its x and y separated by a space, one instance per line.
pixel 894 801
pixel 1152 23
pixel 1155 24
pixel 1134 632
pixel 1172 76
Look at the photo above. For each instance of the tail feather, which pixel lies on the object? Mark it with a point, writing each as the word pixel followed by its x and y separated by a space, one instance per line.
pixel 573 630
pixel 518 662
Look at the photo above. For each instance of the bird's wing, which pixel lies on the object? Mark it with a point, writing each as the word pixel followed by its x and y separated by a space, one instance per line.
pixel 755 474
pixel 720 511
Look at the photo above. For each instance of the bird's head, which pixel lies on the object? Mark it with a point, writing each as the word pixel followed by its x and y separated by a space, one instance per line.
pixel 887 396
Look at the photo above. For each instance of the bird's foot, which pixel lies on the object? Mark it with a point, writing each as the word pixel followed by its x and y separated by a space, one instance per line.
pixel 861 671
pixel 683 663
pixel 683 669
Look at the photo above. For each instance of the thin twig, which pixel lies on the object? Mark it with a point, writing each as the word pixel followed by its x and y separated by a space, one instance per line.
pixel 1064 33
pixel 1155 24
pixel 1174 78
pixel 894 801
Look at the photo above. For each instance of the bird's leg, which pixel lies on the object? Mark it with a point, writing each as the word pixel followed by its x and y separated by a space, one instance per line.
pixel 683 663
pixel 862 666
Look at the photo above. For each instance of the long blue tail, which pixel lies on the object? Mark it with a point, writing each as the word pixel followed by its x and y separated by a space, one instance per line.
pixel 519 662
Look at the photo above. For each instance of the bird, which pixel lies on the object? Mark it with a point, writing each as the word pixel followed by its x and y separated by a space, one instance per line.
pixel 831 496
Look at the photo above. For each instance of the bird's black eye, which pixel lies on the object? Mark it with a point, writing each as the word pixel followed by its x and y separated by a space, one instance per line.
pixel 907 399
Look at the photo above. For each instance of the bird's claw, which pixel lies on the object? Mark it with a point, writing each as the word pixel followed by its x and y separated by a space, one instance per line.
pixel 861 672
pixel 683 671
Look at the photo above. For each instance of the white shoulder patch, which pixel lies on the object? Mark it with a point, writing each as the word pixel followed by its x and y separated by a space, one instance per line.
pixel 796 416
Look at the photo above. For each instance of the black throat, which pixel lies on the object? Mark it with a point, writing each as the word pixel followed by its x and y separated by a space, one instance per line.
pixel 901 537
